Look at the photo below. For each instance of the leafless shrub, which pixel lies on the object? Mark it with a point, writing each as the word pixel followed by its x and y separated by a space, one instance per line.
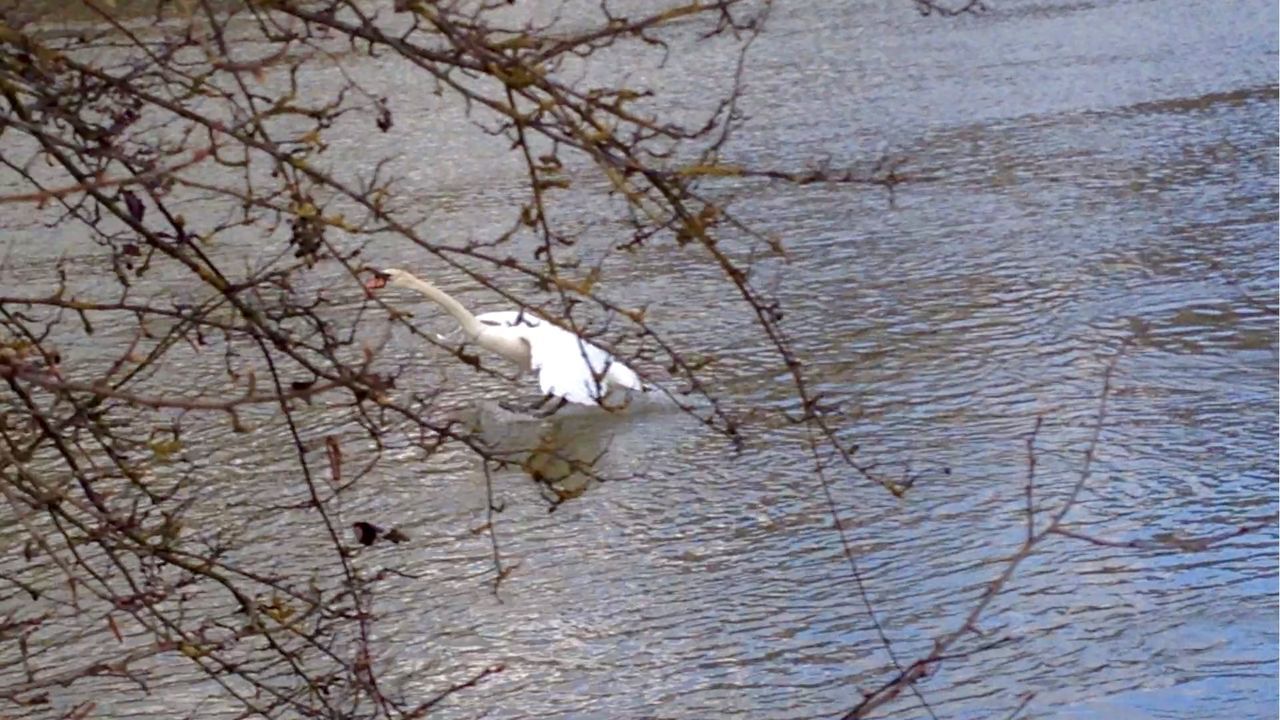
pixel 166 143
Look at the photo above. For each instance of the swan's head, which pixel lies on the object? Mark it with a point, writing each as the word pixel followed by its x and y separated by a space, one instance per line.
pixel 394 277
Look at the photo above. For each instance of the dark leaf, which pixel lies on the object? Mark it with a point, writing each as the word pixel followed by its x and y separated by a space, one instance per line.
pixel 134 204
pixel 384 116
pixel 334 453
pixel 366 533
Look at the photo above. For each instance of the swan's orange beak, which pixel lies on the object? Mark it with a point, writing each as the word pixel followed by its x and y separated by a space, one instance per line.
pixel 378 281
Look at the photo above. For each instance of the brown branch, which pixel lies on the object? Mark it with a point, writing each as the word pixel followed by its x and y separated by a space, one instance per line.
pixel 53 383
pixel 921 667
pixel 66 678
pixel 41 197
pixel 1173 542
pixel 425 707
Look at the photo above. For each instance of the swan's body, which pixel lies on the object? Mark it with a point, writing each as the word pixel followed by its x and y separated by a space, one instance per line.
pixel 568 366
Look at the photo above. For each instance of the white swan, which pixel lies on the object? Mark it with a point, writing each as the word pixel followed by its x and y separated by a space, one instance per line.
pixel 569 367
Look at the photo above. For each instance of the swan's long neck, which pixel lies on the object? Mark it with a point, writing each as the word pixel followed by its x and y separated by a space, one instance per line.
pixel 470 325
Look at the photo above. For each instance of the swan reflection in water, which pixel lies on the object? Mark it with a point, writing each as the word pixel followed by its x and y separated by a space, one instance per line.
pixel 569 452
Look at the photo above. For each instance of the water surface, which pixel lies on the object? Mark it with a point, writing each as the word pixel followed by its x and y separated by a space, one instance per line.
pixel 1102 172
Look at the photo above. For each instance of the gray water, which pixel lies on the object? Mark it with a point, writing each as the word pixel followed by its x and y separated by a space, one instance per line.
pixel 1100 172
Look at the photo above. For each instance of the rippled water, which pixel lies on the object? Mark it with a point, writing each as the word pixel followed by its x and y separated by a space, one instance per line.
pixel 1101 171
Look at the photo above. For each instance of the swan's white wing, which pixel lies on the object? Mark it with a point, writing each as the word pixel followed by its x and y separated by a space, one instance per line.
pixel 572 368
pixel 567 365
pixel 623 376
